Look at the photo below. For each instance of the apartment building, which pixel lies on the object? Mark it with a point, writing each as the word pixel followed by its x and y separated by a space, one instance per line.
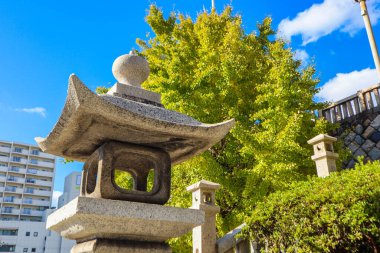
pixel 26 188
pixel 26 181
pixel 54 242
pixel 71 188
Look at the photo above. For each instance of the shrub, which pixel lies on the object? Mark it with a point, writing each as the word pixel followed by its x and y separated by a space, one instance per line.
pixel 340 213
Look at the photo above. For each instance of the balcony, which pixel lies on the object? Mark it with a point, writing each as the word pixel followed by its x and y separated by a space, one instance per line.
pixel 4 159
pixel 42 163
pixel 37 192
pixel 40 173
pixel 18 160
pixel 17 170
pixel 16 201
pixel 41 154
pixel 36 202
pixel 13 211
pixel 5 149
pixel 18 180
pixel 21 151
pixel 32 212
pixel 44 183
pixel 38 182
pixel 2 178
pixel 30 181
pixel 9 243
pixel 45 173
pixel 3 169
pixel 13 189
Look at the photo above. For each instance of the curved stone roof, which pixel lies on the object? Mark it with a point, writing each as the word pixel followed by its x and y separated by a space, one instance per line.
pixel 88 120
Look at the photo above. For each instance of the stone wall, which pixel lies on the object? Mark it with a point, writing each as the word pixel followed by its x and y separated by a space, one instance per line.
pixel 361 134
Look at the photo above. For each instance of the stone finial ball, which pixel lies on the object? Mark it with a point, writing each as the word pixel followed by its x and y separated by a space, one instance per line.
pixel 130 69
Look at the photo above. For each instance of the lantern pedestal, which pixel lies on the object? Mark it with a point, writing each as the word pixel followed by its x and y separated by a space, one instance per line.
pixel 104 225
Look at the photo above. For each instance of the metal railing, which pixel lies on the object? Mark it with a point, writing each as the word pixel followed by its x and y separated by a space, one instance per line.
pixel 362 101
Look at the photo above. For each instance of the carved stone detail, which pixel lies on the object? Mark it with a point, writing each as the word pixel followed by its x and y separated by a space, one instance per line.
pixel 98 173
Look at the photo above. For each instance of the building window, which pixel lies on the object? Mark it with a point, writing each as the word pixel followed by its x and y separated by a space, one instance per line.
pixel 30 180
pixel 78 179
pixel 18 150
pixel 3 165
pixel 33 161
pixel 16 159
pixel 27 201
pixel 7 209
pixel 10 188
pixel 15 169
pixel 12 179
pixel 9 219
pixel 8 232
pixel 9 199
pixel 33 249
pixel 32 171
pixel 35 234
pixel 27 234
pixel 25 250
pixel 35 152
pixel 29 190
pixel 7 248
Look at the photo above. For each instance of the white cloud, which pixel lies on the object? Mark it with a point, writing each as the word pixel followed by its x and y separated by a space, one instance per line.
pixel 301 55
pixel 38 110
pixel 329 16
pixel 347 84
pixel 56 195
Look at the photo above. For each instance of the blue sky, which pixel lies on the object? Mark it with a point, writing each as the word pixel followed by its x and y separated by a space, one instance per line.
pixel 43 42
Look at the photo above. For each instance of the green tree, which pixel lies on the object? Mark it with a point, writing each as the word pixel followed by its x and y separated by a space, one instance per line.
pixel 211 69
pixel 340 213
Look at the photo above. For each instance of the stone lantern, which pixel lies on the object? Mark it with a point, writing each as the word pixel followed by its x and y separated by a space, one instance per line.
pixel 203 198
pixel 129 130
pixel 324 156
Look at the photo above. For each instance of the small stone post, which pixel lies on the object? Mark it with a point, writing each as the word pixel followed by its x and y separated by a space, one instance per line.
pixel 324 155
pixel 204 236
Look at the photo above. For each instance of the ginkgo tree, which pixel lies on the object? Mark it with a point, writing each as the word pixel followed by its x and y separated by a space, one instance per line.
pixel 213 70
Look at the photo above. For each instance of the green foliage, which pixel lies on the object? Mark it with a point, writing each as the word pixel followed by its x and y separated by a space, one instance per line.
pixel 102 90
pixel 213 70
pixel 340 213
pixel 125 180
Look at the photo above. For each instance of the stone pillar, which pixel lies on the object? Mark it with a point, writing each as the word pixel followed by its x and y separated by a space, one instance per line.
pixel 204 236
pixel 324 155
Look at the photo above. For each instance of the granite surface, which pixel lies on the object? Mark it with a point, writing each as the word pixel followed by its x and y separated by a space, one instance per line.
pixel 115 246
pixel 89 120
pixel 130 69
pixel 84 219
